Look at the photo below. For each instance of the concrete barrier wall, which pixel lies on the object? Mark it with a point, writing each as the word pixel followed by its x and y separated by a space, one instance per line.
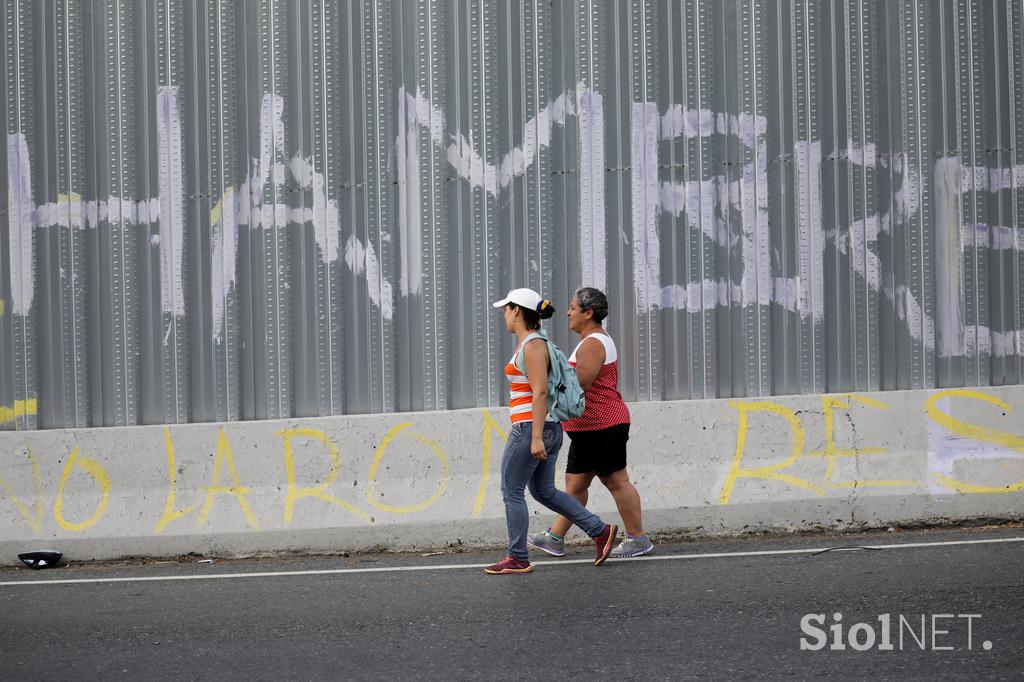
pixel 432 479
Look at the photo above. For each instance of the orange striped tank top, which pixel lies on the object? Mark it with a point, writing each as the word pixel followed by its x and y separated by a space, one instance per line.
pixel 520 401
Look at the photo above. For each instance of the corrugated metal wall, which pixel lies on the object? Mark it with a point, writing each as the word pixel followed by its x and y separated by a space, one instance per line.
pixel 220 209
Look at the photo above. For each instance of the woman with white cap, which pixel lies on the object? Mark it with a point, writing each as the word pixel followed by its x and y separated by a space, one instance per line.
pixel 533 442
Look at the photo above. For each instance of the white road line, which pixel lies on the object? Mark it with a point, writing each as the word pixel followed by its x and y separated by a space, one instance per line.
pixel 560 562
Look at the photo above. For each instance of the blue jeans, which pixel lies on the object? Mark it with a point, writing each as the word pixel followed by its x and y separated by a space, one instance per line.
pixel 519 469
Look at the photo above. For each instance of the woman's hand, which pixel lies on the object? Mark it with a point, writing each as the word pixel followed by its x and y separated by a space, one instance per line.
pixel 537 448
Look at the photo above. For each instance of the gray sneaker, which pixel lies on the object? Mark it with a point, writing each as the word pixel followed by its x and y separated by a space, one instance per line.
pixel 633 547
pixel 546 542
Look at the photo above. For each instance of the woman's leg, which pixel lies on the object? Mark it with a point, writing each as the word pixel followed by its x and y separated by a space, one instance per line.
pixel 517 467
pixel 542 487
pixel 627 499
pixel 577 485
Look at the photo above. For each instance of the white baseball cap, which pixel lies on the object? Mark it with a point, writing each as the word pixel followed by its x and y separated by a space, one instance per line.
pixel 527 298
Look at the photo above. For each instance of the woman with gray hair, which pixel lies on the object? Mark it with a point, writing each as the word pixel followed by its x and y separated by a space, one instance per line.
pixel 599 435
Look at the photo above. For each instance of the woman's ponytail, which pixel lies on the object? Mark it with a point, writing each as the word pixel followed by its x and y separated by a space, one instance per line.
pixel 545 309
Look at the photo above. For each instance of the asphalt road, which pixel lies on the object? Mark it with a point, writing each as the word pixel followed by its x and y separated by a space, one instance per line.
pixel 710 610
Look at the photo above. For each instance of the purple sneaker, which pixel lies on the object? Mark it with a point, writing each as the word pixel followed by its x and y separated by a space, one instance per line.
pixel 546 542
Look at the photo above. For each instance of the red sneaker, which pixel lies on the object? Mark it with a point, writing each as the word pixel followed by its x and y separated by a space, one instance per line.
pixel 604 542
pixel 510 565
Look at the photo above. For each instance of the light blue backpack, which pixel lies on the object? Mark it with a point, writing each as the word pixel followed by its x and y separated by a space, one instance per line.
pixel 565 395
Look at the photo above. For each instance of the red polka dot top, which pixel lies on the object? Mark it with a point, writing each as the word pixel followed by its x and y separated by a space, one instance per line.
pixel 604 405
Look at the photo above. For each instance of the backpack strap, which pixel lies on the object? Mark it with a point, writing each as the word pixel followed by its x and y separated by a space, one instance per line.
pixel 519 361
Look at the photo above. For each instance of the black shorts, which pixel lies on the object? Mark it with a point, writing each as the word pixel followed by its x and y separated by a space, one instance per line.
pixel 602 452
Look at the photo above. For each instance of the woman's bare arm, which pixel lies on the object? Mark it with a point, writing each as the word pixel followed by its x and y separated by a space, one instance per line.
pixel 535 356
pixel 589 360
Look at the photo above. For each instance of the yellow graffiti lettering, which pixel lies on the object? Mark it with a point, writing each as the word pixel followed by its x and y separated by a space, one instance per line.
pixel 1007 440
pixel 379 456
pixel 169 513
pixel 224 458
pixel 829 406
pixel 983 434
pixel 34 520
pixel 968 488
pixel 771 472
pixel 296 492
pixel 21 408
pixel 490 424
pixel 218 211
pixel 99 474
